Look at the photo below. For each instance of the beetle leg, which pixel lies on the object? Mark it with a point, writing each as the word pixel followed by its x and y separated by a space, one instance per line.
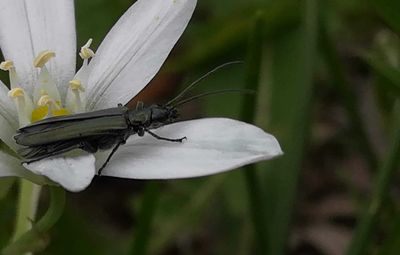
pixel 140 131
pixel 41 152
pixel 34 154
pixel 88 147
pixel 179 140
pixel 122 141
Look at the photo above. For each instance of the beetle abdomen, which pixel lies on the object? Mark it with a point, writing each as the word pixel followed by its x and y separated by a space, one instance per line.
pixel 73 129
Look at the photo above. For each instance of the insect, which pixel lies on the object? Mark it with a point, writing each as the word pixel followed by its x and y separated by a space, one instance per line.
pixel 102 129
pixel 92 131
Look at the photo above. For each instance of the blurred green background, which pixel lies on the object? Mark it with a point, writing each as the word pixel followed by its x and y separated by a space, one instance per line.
pixel 328 78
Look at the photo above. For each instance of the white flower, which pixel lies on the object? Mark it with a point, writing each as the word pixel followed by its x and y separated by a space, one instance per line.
pixel 37 38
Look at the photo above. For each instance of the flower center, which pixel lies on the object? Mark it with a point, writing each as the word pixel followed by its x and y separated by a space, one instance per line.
pixel 47 107
pixel 46 100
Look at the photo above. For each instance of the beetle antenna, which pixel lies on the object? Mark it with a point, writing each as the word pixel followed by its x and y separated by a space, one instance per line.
pixel 222 91
pixel 193 84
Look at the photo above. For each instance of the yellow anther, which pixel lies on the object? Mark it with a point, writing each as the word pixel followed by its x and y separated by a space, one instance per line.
pixel 6 65
pixel 76 85
pixel 86 52
pixel 16 92
pixel 43 58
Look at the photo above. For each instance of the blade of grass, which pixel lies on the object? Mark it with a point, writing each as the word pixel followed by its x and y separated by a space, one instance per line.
pixel 145 218
pixel 252 80
pixel 391 246
pixel 389 11
pixel 347 95
pixel 290 95
pixel 232 33
pixel 369 216
pixel 390 73
pixel 187 215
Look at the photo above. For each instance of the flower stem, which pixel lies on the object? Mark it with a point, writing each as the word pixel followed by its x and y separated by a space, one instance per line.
pixel 252 76
pixel 384 176
pixel 36 239
pixel 27 207
pixel 145 218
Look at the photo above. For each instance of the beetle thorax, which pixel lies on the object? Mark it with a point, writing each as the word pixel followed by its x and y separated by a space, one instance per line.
pixel 153 116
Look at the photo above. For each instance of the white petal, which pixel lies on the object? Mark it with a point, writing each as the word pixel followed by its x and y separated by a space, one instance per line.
pixel 7 107
pixel 73 173
pixel 134 50
pixel 8 118
pixel 11 166
pixel 213 145
pixel 15 40
pixel 29 27
pixel 7 133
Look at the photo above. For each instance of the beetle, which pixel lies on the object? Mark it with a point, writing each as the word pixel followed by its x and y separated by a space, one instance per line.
pixel 92 131
pixel 103 129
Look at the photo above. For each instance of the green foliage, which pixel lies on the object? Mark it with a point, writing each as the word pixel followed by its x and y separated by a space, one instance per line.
pixel 388 10
pixel 308 57
pixel 290 91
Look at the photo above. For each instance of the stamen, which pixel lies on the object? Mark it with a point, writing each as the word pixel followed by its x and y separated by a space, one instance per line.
pixel 47 107
pixel 76 85
pixel 74 100
pixel 17 92
pixel 43 58
pixel 46 100
pixel 23 104
pixel 86 52
pixel 8 65
pixel 46 84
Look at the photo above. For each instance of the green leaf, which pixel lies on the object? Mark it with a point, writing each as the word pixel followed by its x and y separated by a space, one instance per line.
pixel 391 246
pixel 290 94
pixel 369 216
pixel 228 35
pixel 249 106
pixel 390 73
pixel 171 222
pixel 389 11
pixel 5 185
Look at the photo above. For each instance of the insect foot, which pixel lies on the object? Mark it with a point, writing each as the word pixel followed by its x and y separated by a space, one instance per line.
pixel 181 139
pixel 178 140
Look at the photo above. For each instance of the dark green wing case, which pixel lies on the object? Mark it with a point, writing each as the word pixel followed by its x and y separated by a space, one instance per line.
pixel 102 122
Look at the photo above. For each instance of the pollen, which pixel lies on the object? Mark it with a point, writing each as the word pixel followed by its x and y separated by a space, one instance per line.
pixel 43 58
pixel 45 100
pixel 16 92
pixel 86 52
pixel 42 112
pixel 6 65
pixel 47 107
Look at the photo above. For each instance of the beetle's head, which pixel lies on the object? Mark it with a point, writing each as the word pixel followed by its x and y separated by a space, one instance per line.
pixel 162 115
